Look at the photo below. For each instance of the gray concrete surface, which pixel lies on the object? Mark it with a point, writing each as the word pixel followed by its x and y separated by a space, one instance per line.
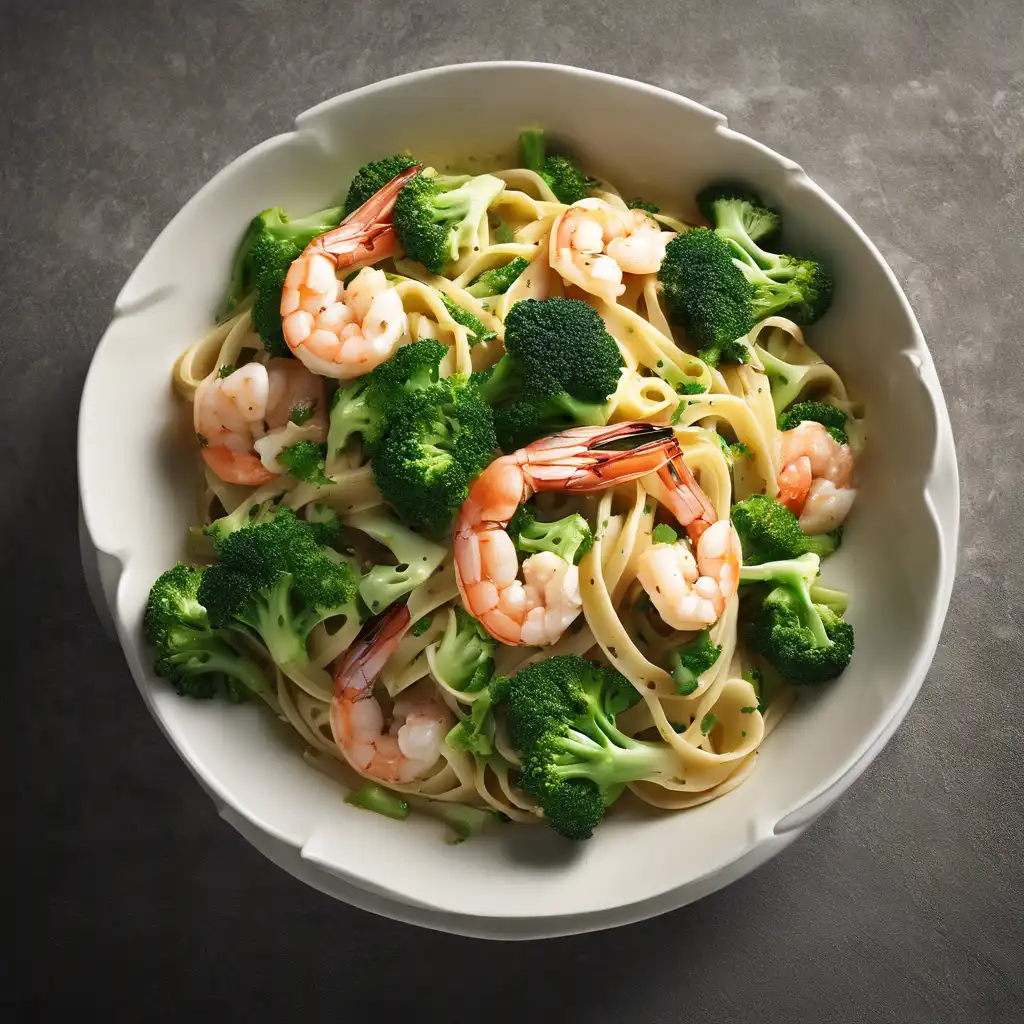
pixel 904 903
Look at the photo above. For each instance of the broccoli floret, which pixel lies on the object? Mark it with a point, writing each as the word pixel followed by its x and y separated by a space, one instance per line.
pixel 275 581
pixel 499 280
pixel 799 287
pixel 475 733
pixel 560 174
pixel 354 411
pixel 442 437
pixel 325 524
pixel 808 643
pixel 558 370
pixel 372 177
pixel 271 243
pixel 196 658
pixel 706 293
pixel 305 461
pixel 769 532
pixel 830 417
pixel 244 515
pixel 738 213
pixel 438 217
pixel 417 559
pixel 570 538
pixel 475 329
pixel 688 662
pixel 561 717
pixel 639 204
pixel 464 658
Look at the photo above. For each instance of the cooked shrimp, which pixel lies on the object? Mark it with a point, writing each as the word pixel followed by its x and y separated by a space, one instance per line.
pixel 816 482
pixel 690 593
pixel 232 412
pixel 412 743
pixel 537 610
pixel 593 244
pixel 685 498
pixel 340 331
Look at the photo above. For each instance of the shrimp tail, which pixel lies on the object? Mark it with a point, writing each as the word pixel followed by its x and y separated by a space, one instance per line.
pixel 355 674
pixel 366 233
pixel 687 500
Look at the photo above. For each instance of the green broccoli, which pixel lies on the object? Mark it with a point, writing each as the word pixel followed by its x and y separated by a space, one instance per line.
pixel 198 659
pixel 769 532
pixel 417 559
pixel 305 461
pixel 244 515
pixel 274 580
pixel 464 657
pixel 786 380
pixel 807 642
pixel 688 662
pixel 442 436
pixel 475 329
pixel 570 537
pixel 559 173
pixel 354 411
pixel 706 293
pixel 561 717
pixel 380 800
pixel 438 217
pixel 800 288
pixel 267 250
pixel 639 204
pixel 499 280
pixel 830 417
pixel 475 733
pixel 372 177
pixel 558 370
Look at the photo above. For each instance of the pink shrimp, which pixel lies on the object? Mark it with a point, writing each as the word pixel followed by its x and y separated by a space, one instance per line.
pixel 816 481
pixel 412 743
pixel 537 610
pixel 594 243
pixel 233 410
pixel 345 331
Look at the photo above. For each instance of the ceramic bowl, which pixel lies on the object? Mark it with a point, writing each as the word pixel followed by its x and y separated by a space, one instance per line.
pixel 898 557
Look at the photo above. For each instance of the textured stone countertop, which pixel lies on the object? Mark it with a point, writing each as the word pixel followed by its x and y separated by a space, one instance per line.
pixel 905 902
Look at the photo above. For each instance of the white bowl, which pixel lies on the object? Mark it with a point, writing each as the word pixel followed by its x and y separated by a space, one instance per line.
pixel 898 558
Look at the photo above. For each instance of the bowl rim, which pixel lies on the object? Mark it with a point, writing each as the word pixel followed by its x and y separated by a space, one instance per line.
pixel 941 495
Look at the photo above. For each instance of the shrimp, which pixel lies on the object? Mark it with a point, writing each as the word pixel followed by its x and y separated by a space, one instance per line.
pixel 412 743
pixel 538 609
pixel 345 331
pixel 593 244
pixel 689 593
pixel 816 482
pixel 232 412
pixel 685 498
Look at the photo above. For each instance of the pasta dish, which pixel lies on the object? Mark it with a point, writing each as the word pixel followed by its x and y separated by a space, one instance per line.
pixel 514 492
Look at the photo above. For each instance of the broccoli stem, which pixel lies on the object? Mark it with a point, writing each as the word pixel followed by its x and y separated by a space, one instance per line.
pixel 797 574
pixel 380 801
pixel 272 618
pixel 531 142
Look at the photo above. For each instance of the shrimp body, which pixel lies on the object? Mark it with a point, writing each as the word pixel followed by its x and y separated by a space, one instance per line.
pixel 816 481
pixel 232 413
pixel 408 747
pixel 593 243
pixel 537 609
pixel 689 593
pixel 340 331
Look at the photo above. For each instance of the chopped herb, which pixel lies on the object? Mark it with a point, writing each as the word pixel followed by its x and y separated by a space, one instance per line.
pixel 664 534
pixel 300 414
pixel 226 371
pixel 690 387
pixel 647 508
pixel 420 626
pixel 639 204
pixel 708 722
pixel 747 710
